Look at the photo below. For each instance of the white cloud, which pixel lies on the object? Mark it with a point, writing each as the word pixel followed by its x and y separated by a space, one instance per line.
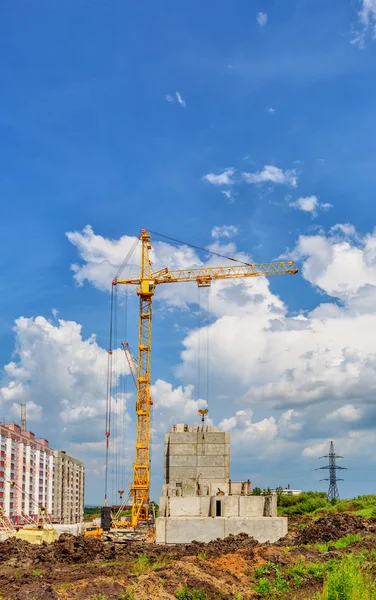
pixel 224 231
pixel 179 99
pixel 61 373
pixel 229 195
pixel 262 19
pixel 271 110
pixel 346 228
pixel 310 204
pixel 101 257
pixel 272 174
pixel 182 102
pixel 348 413
pixel 341 267
pixel 293 370
pixel 224 178
pixel 367 20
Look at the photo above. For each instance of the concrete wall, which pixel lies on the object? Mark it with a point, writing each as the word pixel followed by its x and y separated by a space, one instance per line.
pixel 230 506
pixel 183 530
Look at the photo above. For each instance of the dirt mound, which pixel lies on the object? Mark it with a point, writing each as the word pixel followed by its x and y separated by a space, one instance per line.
pixel 331 528
pixel 219 547
pixel 69 549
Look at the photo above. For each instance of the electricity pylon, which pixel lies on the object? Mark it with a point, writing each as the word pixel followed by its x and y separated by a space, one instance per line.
pixel 333 468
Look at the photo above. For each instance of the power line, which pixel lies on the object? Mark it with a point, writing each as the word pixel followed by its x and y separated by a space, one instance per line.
pixel 333 468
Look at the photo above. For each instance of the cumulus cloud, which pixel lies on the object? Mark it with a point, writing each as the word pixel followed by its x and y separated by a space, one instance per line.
pixel 295 379
pixel 271 110
pixel 367 21
pixel 100 258
pixel 348 413
pixel 224 178
pixel 224 231
pixel 272 174
pixel 310 204
pixel 262 19
pixel 341 267
pixel 59 372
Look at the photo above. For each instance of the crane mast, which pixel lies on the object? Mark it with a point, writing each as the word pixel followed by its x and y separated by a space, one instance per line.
pixel 203 276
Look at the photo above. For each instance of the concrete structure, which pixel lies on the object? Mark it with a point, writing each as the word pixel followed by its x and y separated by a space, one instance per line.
pixel 69 485
pixel 196 453
pixel 200 502
pixel 29 463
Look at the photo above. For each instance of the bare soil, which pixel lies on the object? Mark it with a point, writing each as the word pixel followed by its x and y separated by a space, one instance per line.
pixel 79 568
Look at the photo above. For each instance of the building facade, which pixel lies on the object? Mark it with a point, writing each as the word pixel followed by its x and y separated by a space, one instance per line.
pixel 33 476
pixel 26 473
pixel 69 486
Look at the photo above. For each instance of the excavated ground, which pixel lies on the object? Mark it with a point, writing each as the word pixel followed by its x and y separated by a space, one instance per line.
pixel 86 569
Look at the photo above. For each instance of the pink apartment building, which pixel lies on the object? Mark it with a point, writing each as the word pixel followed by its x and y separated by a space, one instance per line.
pixel 39 476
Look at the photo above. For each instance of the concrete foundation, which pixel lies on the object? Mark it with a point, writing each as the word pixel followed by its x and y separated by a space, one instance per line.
pixel 181 530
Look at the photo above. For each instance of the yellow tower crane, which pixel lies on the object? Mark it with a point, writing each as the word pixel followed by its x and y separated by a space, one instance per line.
pixel 146 284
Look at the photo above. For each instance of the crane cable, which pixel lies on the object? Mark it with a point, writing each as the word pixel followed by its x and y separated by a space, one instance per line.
pixel 171 239
pixel 108 395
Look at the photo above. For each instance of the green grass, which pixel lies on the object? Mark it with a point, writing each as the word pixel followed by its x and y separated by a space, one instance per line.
pixel 343 542
pixel 274 587
pixel 37 573
pixel 140 565
pixel 201 556
pixel 317 502
pixel 186 594
pixel 349 581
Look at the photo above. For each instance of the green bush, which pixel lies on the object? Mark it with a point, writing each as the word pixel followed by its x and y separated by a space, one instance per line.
pixel 305 503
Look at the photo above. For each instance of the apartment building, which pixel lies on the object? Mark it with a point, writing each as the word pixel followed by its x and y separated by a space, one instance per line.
pixel 69 486
pixel 33 475
pixel 26 473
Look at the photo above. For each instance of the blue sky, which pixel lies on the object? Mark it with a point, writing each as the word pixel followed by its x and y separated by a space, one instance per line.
pixel 115 115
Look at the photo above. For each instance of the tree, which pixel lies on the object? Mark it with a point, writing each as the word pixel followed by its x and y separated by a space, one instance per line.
pixel 256 491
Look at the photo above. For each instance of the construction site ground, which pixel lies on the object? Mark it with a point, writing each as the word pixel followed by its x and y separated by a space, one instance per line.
pixel 235 568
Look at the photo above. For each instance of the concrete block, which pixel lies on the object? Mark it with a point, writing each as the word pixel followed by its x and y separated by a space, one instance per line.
pixel 213 438
pixel 163 506
pixel 185 507
pixel 230 506
pixel 160 530
pixel 185 449
pixel 186 437
pixel 183 530
pixel 180 473
pixel 263 529
pixel 181 460
pixel 251 506
pixel 210 461
pixel 211 449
